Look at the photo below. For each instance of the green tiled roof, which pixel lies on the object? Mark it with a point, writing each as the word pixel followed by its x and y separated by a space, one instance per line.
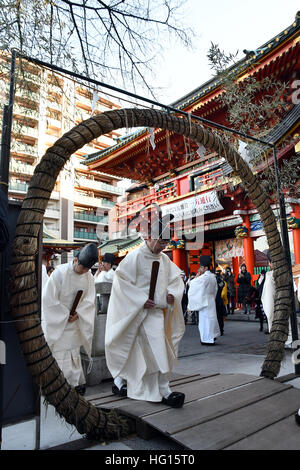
pixel 114 246
pixel 241 66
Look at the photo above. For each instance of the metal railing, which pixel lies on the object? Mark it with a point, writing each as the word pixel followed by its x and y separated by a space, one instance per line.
pixel 91 217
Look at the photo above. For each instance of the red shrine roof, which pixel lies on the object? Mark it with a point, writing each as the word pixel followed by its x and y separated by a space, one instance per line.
pixel 127 158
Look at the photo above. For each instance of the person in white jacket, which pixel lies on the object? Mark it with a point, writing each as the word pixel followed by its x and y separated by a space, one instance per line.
pixel 202 297
pixel 66 333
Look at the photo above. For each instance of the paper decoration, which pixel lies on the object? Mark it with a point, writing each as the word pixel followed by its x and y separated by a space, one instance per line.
pixel 151 132
pixel 96 97
pixel 243 151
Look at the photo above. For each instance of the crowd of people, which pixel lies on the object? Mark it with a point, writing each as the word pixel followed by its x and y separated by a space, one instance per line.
pixel 221 294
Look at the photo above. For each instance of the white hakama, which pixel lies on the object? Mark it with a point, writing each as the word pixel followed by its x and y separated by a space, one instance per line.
pixel 65 338
pixel 202 298
pixel 141 344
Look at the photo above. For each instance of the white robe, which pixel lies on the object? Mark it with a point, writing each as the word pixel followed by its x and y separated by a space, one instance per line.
pixel 268 296
pixel 137 343
pixel 65 338
pixel 267 300
pixel 202 297
pixel 105 276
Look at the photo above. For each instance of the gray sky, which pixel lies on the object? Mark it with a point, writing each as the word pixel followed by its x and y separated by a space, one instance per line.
pixel 233 24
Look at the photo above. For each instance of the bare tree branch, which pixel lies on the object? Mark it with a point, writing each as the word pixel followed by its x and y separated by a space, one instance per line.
pixel 99 37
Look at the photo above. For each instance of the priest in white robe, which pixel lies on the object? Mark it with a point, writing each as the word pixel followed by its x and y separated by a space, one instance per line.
pixel 66 333
pixel 142 335
pixel 202 297
pixel 107 273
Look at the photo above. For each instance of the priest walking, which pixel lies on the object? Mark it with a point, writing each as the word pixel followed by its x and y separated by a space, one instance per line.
pixel 107 273
pixel 68 326
pixel 202 297
pixel 143 333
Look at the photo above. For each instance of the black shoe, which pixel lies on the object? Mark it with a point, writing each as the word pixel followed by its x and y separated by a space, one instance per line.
pixel 80 389
pixel 297 419
pixel 207 344
pixel 121 392
pixel 267 332
pixel 175 400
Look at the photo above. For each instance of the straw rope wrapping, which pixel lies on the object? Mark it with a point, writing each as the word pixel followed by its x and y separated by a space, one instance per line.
pixel 74 408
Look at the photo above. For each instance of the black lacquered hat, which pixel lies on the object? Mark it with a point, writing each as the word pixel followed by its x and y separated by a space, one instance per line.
pixel 88 255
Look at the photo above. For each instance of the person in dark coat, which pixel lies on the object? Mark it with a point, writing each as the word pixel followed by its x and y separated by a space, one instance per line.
pixel 184 301
pixel 259 313
pixel 220 307
pixel 244 281
pixel 231 290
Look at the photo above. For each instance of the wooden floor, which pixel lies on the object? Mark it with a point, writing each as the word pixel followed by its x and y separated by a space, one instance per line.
pixel 231 411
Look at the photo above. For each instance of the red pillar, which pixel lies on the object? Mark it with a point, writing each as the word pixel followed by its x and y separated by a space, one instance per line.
pixel 235 267
pixel 296 235
pixel 249 249
pixel 179 258
pixel 177 183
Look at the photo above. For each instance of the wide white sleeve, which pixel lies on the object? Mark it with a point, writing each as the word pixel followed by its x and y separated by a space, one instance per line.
pixel 268 296
pixel 54 314
pixel 86 311
pixel 197 297
pixel 125 313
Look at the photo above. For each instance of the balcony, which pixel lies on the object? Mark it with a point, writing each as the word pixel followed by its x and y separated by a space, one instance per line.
pixel 20 168
pixel 78 234
pixel 99 186
pixel 52 214
pixel 27 112
pixel 28 94
pixel 25 130
pixel 55 195
pixel 85 216
pixel 24 149
pixel 55 123
pixel 54 231
pixel 50 139
pixel 84 100
pixel 92 201
pixel 107 203
pixel 54 105
pixel 55 88
pixel 18 187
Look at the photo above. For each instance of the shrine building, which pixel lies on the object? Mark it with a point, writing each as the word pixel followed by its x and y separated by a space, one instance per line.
pixel 182 177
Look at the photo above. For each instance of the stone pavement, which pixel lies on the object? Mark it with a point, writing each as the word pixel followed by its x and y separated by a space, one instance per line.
pixel 241 350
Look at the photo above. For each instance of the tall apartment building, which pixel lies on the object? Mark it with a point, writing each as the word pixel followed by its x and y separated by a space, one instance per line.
pixel 47 105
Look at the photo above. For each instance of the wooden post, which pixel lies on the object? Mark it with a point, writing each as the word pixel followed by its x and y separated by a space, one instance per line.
pixel 179 258
pixel 296 235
